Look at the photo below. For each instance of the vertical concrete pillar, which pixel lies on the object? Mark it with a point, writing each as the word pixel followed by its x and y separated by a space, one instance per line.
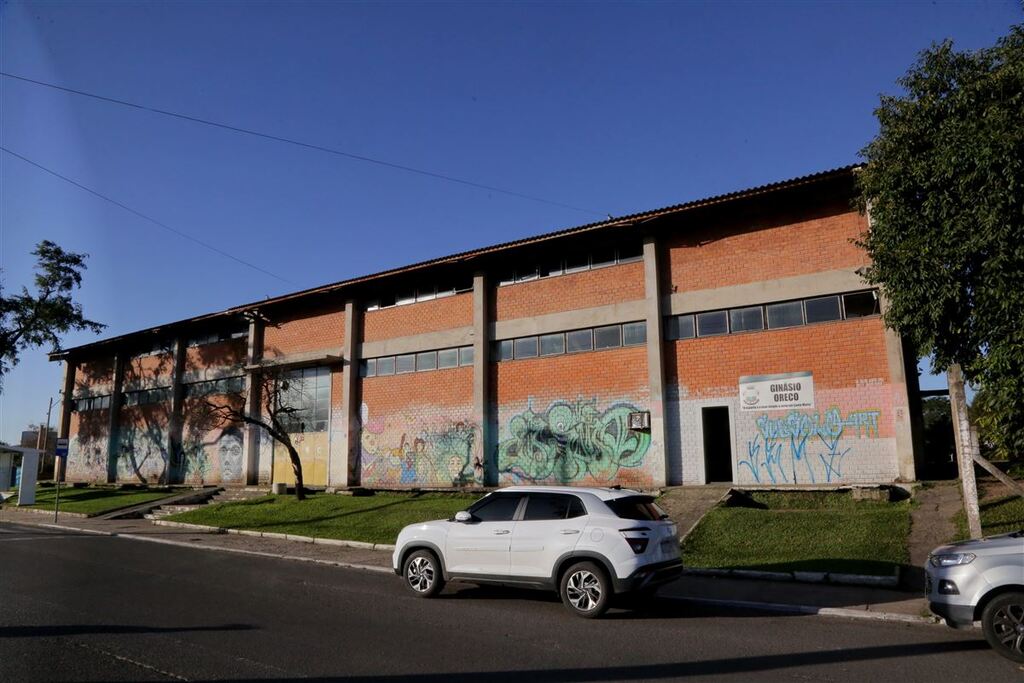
pixel 177 419
pixel 347 471
pixel 253 397
pixel 902 420
pixel 64 426
pixel 481 380
pixel 655 356
pixel 114 424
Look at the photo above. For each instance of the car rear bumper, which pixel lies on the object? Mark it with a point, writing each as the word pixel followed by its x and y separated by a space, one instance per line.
pixel 649 576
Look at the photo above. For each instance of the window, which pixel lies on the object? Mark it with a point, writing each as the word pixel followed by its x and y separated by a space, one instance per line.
pixel 225 385
pixel 386 366
pixel 526 274
pixel 505 349
pixel 577 262
pixel 602 257
pixel 466 355
pixel 368 368
pixel 406 363
pixel 444 291
pixel 607 337
pixel 860 304
pixel 551 267
pixel 681 327
pixel 147 396
pixel 788 314
pixel 547 506
pixel 448 358
pixel 496 508
pixel 552 344
pixel 630 253
pixel 508 277
pixel 426 361
pixel 822 309
pixel 746 319
pixel 579 340
pixel 426 294
pixel 526 347
pixel 634 333
pixel 308 391
pixel 712 323
pixel 639 508
pixel 92 403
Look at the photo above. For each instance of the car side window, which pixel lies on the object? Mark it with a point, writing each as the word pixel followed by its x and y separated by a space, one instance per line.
pixel 546 506
pixel 496 508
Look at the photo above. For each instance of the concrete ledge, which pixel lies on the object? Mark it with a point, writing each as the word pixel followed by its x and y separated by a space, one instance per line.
pixel 37 511
pixel 802 577
pixel 281 537
pixel 184 525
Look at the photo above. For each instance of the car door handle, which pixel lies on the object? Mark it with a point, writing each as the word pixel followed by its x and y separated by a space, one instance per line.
pixel 501 532
pixel 570 531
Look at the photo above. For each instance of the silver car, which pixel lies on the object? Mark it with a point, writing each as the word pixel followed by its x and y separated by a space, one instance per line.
pixel 982 580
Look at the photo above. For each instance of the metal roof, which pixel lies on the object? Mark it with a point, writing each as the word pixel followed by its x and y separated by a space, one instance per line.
pixel 612 222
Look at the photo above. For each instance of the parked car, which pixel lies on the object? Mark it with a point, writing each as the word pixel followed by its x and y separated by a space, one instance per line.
pixel 982 580
pixel 587 544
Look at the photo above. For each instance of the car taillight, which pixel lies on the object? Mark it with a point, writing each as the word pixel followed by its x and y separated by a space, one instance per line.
pixel 636 541
pixel 639 545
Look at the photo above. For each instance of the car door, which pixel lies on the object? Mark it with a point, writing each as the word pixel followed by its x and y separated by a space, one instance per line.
pixel 481 545
pixel 549 527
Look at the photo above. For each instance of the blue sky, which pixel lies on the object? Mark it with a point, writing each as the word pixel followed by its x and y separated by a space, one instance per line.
pixel 610 107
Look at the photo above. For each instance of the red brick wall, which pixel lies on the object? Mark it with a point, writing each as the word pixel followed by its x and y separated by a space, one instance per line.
pixel 148 371
pixel 418 430
pixel 563 419
pixel 305 332
pixel 94 377
pixel 718 255
pixel 142 444
pixel 230 352
pixel 425 316
pixel 590 288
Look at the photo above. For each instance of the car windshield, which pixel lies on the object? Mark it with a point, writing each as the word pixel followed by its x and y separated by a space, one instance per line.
pixel 642 508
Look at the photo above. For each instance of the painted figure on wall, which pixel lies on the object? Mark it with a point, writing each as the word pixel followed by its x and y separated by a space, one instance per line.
pixel 214 456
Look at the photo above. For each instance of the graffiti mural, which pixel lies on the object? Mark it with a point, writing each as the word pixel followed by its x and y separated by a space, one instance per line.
pixel 142 452
pixel 419 448
pixel 805 447
pixel 214 456
pixel 87 459
pixel 571 442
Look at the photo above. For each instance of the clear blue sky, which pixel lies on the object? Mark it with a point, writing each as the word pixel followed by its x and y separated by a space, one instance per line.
pixel 612 107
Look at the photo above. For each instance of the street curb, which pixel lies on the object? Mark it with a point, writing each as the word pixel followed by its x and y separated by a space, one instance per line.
pixel 280 537
pixel 37 511
pixel 835 578
pixel 813 610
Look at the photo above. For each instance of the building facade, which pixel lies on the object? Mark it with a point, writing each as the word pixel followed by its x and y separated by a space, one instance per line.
pixel 730 339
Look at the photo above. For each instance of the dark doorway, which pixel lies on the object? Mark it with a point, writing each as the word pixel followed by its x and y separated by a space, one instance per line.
pixel 717 444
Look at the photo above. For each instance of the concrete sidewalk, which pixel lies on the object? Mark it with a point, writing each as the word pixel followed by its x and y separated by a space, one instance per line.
pixel 776 596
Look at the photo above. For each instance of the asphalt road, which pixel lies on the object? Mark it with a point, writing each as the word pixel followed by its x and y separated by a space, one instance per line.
pixel 92 608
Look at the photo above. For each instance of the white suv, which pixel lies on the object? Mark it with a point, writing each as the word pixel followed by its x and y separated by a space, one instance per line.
pixel 586 543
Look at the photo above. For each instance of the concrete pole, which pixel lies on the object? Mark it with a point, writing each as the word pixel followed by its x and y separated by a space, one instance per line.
pixel 64 426
pixel 114 424
pixel 252 399
pixel 481 379
pixel 655 356
pixel 176 421
pixel 966 447
pixel 350 427
pixel 43 439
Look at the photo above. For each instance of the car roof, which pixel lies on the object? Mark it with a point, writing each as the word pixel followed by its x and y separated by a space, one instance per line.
pixel 602 493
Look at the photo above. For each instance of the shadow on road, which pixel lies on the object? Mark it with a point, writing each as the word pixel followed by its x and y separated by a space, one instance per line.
pixel 86 629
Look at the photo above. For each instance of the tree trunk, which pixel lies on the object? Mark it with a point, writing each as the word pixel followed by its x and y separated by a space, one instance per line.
pixel 966 448
pixel 300 490
pixel 995 472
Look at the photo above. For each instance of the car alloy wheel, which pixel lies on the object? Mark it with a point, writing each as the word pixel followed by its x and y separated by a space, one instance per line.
pixel 1003 624
pixel 585 590
pixel 422 574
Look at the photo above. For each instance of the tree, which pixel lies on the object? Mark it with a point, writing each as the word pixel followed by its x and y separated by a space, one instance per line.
pixel 29 320
pixel 944 188
pixel 284 411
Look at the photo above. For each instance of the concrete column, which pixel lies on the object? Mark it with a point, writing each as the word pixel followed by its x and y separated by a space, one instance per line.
pixel 903 423
pixel 252 400
pixel 655 356
pixel 64 425
pixel 350 427
pixel 114 425
pixel 481 379
pixel 177 420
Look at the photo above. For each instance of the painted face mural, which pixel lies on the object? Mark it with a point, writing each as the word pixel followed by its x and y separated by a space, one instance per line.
pixel 229 453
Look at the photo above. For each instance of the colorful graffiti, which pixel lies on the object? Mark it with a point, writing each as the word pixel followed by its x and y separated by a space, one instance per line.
pixel 571 442
pixel 780 452
pixel 142 453
pixel 415 449
pixel 213 456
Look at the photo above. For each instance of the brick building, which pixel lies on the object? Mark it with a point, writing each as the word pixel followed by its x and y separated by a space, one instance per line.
pixel 728 339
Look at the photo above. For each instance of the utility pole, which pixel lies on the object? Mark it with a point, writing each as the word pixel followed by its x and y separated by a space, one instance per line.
pixel 966 447
pixel 42 442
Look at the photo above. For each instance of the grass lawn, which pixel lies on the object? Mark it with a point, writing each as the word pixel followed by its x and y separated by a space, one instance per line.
pixel 999 516
pixel 91 500
pixel 372 519
pixel 812 531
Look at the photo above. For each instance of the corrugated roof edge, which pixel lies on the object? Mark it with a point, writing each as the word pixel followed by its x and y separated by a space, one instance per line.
pixel 462 256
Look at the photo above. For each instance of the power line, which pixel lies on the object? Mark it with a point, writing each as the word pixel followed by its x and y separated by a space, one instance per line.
pixel 307 145
pixel 129 209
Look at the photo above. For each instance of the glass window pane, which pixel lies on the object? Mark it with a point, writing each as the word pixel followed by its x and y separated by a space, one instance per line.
pixel 496 508
pixel 368 368
pixel 634 333
pixel 466 355
pixel 425 294
pixel 822 309
pixel 746 319
pixel 406 363
pixel 712 323
pixel 552 344
pixel 448 358
pixel 426 361
pixel 526 273
pixel 506 278
pixel 386 365
pixel 526 347
pixel 550 267
pixel 681 327
pixel 444 291
pixel 860 304
pixel 407 297
pixel 387 300
pixel 602 257
pixel 607 337
pixel 547 506
pixel 574 263
pixel 505 349
pixel 579 340
pixel 788 314
pixel 631 252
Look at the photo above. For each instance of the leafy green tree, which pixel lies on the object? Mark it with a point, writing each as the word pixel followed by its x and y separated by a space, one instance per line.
pixel 32 319
pixel 944 188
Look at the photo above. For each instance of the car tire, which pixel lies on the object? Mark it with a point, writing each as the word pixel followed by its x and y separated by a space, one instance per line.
pixel 422 574
pixel 1003 625
pixel 585 590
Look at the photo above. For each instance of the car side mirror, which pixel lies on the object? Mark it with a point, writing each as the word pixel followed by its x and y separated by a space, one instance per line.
pixel 463 516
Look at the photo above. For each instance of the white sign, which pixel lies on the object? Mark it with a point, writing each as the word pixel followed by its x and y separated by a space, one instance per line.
pixel 777 392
